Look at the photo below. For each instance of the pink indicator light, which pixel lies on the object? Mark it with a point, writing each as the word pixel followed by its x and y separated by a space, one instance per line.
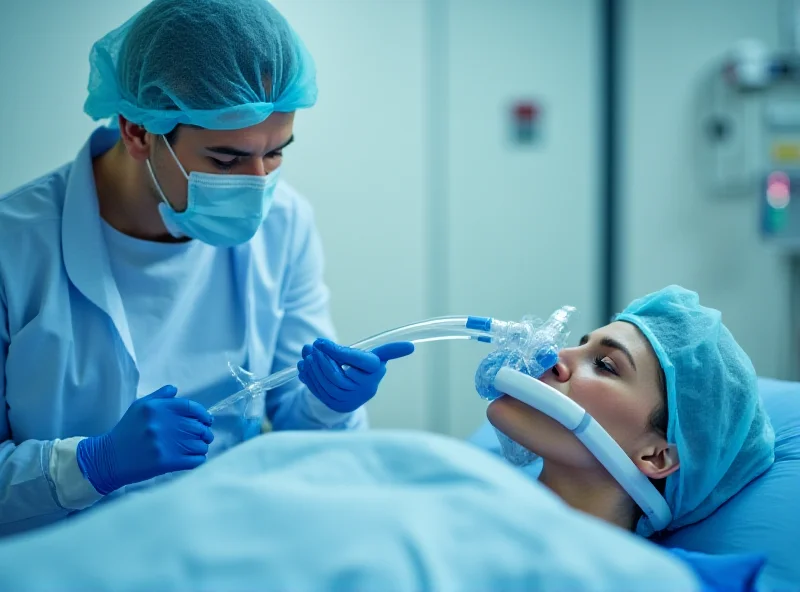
pixel 778 190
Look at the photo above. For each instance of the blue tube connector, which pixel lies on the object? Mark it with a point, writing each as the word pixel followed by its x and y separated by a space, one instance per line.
pixel 479 323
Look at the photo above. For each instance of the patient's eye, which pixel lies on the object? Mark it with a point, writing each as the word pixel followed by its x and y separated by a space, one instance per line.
pixel 605 364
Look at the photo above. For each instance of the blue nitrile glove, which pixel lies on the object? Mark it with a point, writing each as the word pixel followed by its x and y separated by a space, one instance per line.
pixel 346 389
pixel 157 435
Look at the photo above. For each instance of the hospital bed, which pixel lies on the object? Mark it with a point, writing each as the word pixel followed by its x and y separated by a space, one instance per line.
pixel 395 511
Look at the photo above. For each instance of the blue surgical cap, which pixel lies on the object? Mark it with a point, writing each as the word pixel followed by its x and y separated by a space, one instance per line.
pixel 716 419
pixel 215 64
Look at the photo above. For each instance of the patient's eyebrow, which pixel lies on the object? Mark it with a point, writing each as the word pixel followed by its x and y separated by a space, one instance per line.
pixel 613 344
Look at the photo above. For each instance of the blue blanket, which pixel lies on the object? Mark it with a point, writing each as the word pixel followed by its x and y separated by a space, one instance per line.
pixel 340 511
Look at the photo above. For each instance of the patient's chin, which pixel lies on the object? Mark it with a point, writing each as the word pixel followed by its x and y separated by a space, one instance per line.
pixel 495 411
pixel 536 431
pixel 504 414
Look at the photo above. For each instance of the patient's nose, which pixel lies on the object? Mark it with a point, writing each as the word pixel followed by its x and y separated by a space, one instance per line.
pixel 560 372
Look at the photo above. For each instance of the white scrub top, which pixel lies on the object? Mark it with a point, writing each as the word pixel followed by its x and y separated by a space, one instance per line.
pixel 91 319
pixel 162 285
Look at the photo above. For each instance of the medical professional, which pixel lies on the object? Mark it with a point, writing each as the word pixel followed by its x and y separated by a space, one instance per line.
pixel 169 247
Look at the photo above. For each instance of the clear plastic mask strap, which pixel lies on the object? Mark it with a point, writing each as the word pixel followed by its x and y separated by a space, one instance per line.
pixel 157 184
pixel 153 173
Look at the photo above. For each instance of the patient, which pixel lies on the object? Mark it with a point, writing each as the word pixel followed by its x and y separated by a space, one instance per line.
pixel 670 384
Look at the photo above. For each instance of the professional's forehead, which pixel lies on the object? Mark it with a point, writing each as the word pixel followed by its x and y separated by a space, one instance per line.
pixel 275 126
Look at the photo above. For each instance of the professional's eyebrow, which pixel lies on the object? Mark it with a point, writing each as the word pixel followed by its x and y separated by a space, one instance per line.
pixel 231 151
pixel 285 144
pixel 613 344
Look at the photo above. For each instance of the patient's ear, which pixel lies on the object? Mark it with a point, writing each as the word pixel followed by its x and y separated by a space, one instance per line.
pixel 658 461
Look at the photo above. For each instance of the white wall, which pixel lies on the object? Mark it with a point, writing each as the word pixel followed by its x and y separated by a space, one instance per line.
pixel 44 62
pixel 674 231
pixel 360 157
pixel 523 221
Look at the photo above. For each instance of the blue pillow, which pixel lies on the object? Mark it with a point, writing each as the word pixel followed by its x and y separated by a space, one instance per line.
pixel 763 518
pixel 723 573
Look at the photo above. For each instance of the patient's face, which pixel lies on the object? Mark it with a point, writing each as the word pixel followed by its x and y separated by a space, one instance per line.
pixel 614 375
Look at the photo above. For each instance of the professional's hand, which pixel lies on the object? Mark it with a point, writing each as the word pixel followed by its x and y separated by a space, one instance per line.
pixel 157 435
pixel 345 378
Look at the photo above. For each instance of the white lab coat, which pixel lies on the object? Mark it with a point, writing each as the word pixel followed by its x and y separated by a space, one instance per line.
pixel 67 363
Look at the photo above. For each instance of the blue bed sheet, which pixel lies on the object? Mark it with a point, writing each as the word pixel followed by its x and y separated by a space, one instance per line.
pixel 341 511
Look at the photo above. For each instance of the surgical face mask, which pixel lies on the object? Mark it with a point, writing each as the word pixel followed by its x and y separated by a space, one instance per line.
pixel 221 210
pixel 517 455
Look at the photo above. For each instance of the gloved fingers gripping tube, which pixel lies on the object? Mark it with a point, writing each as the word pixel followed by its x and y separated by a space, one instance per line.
pixel 506 334
pixel 530 347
